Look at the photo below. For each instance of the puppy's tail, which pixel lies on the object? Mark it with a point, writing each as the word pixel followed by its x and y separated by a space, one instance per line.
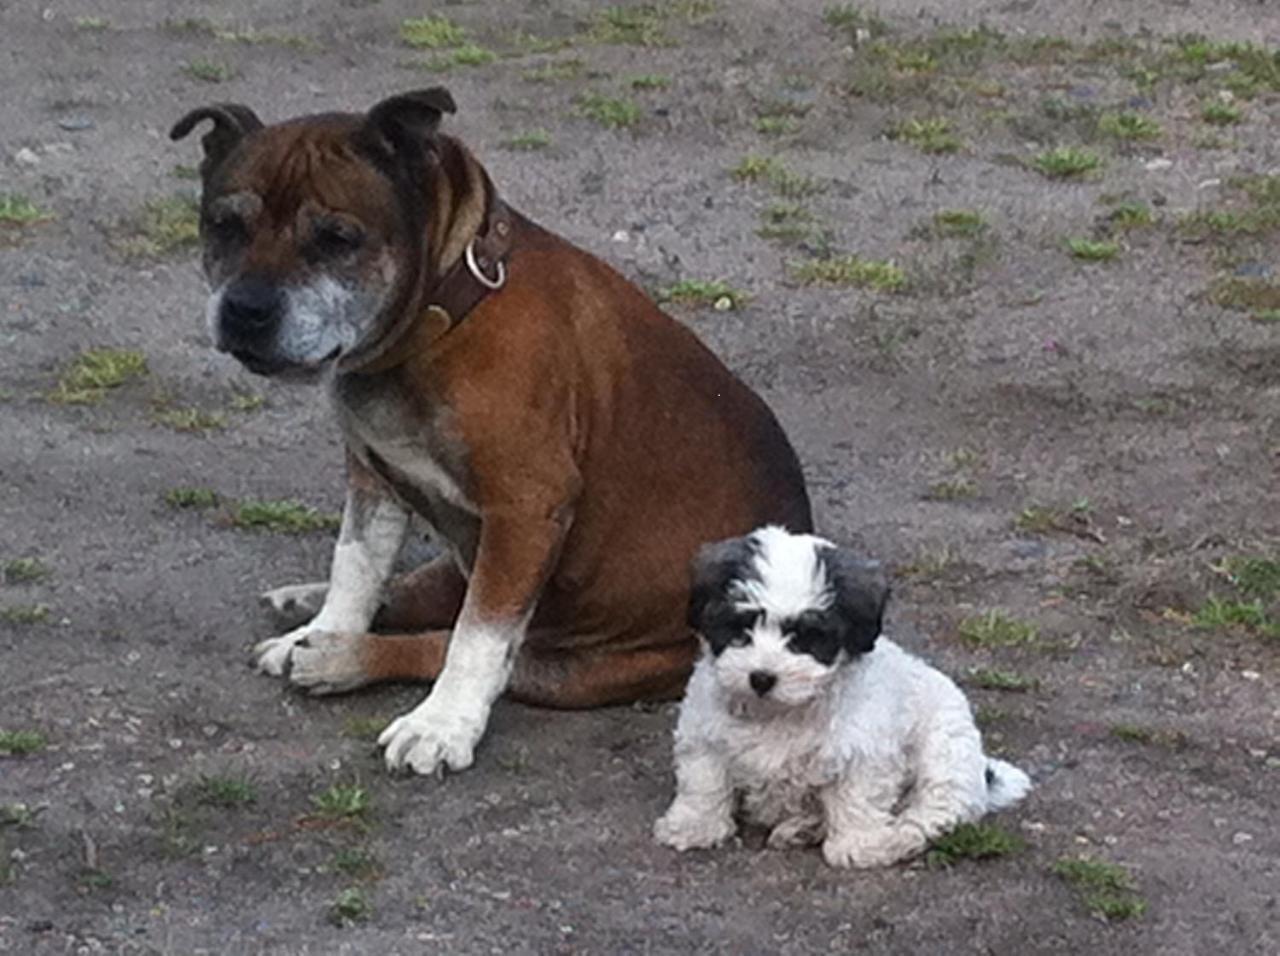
pixel 1006 784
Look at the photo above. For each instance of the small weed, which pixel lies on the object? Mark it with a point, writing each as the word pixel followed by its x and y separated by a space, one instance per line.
pixel 649 81
pixel 1131 215
pixel 786 222
pixel 466 55
pixel 532 140
pixel 90 23
pixel 246 402
pixel 997 629
pixel 1217 614
pixel 432 33
pixel 190 498
pixel 17 815
pixel 930 563
pixel 356 863
pixel 1037 519
pixel 610 112
pixel 190 420
pixel 167 225
pixel 753 168
pixel 225 792
pixel 18 210
pixel 952 489
pixel 1256 577
pixel 93 879
pixel 184 171
pixel 92 373
pixel 1267 316
pixel 556 72
pixel 959 223
pixel 24 571
pixel 364 728
pixel 25 613
pixel 1245 293
pixel 1220 113
pixel 19 743
pixel 1066 162
pixel 208 71
pixel 973 841
pixel 1132 733
pixel 854 22
pixel 719 295
pixel 851 271
pixel 990 679
pixel 1092 250
pixel 341 801
pixel 792 185
pixel 1128 126
pixel 629 26
pixel 1108 889
pixel 349 908
pixel 776 125
pixel 282 517
pixel 931 136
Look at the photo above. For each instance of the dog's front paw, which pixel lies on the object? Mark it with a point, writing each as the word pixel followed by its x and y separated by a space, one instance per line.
pixel 325 662
pixel 801 830
pixel 687 829
pixel 295 604
pixel 883 847
pixel 273 655
pixel 432 737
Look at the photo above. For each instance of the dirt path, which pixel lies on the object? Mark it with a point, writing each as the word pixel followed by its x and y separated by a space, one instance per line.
pixel 1070 455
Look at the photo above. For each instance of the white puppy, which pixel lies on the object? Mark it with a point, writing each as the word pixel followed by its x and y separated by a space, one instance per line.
pixel 802 717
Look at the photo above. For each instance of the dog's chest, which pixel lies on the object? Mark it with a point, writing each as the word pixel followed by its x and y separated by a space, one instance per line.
pixel 409 447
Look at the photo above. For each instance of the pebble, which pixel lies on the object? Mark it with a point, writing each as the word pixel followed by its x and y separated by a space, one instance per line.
pixel 76 124
pixel 1158 164
pixel 1241 838
pixel 26 157
pixel 1256 269
pixel 1250 675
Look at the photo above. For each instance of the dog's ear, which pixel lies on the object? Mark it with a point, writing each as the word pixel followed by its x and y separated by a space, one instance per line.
pixel 231 123
pixel 861 591
pixel 714 568
pixel 408 119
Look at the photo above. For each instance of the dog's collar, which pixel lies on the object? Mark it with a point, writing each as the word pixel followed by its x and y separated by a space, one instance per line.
pixel 479 272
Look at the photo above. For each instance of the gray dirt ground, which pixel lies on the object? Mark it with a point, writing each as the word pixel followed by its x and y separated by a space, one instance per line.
pixel 1006 367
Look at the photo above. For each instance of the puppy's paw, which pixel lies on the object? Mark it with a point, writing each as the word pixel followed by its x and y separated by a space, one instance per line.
pixel 431 738
pixel 296 604
pixel 866 850
pixel 325 662
pixel 686 829
pixel 273 655
pixel 796 831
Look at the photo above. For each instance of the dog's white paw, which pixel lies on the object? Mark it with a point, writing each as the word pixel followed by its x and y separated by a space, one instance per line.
pixel 272 655
pixel 882 847
pixel 296 604
pixel 432 737
pixel 687 829
pixel 800 830
pixel 325 662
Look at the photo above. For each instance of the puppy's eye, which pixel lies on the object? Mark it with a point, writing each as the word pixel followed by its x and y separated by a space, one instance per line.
pixel 740 638
pixel 333 239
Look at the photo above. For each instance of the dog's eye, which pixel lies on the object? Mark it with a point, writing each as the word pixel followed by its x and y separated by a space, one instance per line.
pixel 225 226
pixel 740 638
pixel 331 239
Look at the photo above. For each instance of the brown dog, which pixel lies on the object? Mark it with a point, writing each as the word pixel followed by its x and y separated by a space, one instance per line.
pixel 570 445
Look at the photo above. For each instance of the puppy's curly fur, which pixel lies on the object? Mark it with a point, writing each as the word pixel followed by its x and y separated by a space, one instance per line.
pixel 812 724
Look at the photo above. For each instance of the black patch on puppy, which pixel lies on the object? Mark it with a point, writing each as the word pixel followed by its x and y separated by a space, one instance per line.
pixel 861 592
pixel 712 613
pixel 820 634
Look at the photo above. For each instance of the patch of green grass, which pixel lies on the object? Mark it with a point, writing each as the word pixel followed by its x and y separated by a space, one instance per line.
pixel 208 71
pixel 1245 293
pixel 364 728
pixel 94 879
pixel 282 517
pixel 776 125
pixel 997 629
pixel 25 613
pixel 952 489
pixel 1066 162
pixel 349 908
pixel 993 679
pixel 649 81
pixel 610 112
pixel 785 222
pixel 191 498
pixel 184 171
pixel 468 54
pixel 17 815
pixel 1128 126
pixel 931 135
pixel 1107 889
pixel 343 801
pixel 168 224
pixel 356 863
pixel 190 420
pixel 246 402
pixel 24 570
pixel 1131 215
pixel 432 33
pixel 641 25
pixel 855 271
pixel 1133 733
pixel 19 743
pixel 1092 250
pixel 1256 577
pixel 1217 614
pixel 1220 113
pixel 18 210
pixel 555 72
pixel 854 22
pixel 752 168
pixel 225 791
pixel 719 295
pixel 91 374
pixel 973 841
pixel 529 141
pixel 1038 519
pixel 959 223
pixel 91 24
pixel 793 185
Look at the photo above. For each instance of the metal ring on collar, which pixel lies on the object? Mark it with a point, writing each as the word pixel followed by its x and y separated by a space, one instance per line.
pixel 483 279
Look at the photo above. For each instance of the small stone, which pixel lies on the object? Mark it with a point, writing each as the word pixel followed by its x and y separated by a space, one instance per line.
pixel 1250 675
pixel 622 236
pixel 723 304
pixel 175 743
pixel 1241 838
pixel 26 157
pixel 1158 164
pixel 76 124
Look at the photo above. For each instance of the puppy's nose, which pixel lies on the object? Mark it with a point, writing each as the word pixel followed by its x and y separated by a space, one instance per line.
pixel 250 306
pixel 762 682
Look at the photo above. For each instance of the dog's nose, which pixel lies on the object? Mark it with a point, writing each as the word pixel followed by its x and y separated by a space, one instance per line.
pixel 250 306
pixel 762 682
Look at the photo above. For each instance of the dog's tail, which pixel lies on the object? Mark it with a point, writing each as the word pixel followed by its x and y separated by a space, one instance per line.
pixel 1006 784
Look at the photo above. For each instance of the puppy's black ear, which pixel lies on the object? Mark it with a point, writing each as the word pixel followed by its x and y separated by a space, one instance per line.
pixel 861 593
pixel 715 567
pixel 408 119
pixel 231 123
